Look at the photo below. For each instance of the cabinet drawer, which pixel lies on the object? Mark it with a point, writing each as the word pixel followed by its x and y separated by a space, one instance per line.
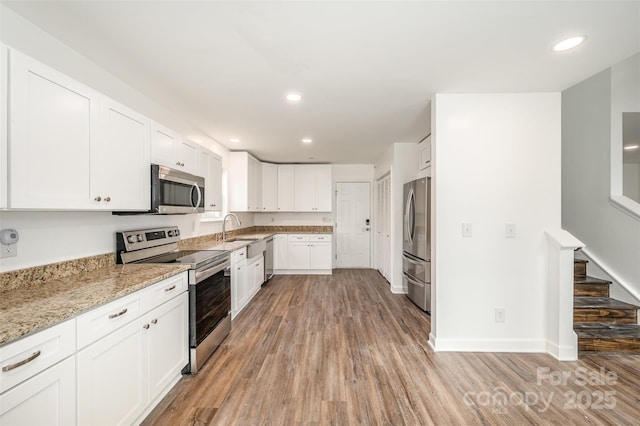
pixel 167 289
pixel 27 357
pixel 326 238
pixel 99 322
pixel 298 237
pixel 239 255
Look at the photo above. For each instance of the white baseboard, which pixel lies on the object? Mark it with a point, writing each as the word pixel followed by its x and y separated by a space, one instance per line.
pixel 488 345
pixel 398 289
pixel 562 353
pixel 303 271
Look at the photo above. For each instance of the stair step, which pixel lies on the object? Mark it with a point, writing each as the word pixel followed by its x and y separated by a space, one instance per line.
pixel 603 310
pixel 579 267
pixel 601 337
pixel 590 286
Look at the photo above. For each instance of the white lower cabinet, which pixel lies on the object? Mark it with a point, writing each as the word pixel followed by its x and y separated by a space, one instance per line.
pixel 303 253
pixel 239 293
pixel 120 375
pixel 110 365
pixel 112 377
pixel 48 398
pixel 255 275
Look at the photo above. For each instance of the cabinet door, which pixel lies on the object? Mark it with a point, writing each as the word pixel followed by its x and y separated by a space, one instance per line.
pixel 46 399
pixel 269 187
pixel 54 120
pixel 239 182
pixel 255 184
pixel 211 170
pixel 299 255
pixel 120 166
pixel 215 202
pixel 112 378
pixel 168 342
pixel 305 182
pixel 425 153
pixel 164 143
pixel 4 52
pixel 323 187
pixel 256 269
pixel 238 287
pixel 187 156
pixel 286 187
pixel 280 252
pixel 320 256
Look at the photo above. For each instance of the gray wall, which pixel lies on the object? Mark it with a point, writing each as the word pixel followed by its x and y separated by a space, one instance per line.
pixel 609 234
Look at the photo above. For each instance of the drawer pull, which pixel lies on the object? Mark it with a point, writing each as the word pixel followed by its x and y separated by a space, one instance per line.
pixel 119 314
pixel 170 288
pixel 146 326
pixel 35 355
pixel 154 321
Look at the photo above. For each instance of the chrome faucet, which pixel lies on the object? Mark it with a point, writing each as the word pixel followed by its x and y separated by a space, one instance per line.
pixel 224 223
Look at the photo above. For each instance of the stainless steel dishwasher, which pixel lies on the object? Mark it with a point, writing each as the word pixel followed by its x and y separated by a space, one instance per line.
pixel 268 260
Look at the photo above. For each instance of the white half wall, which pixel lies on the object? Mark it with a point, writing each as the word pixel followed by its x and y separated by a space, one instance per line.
pixel 496 162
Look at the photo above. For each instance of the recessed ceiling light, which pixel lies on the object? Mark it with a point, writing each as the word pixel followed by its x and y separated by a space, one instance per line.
pixel 293 97
pixel 631 147
pixel 306 140
pixel 234 140
pixel 569 43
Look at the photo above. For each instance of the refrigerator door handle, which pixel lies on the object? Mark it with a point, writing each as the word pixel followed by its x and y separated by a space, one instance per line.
pixel 410 212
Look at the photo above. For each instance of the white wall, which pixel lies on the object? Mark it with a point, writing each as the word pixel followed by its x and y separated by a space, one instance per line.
pixel 496 161
pixel 609 234
pixel 47 237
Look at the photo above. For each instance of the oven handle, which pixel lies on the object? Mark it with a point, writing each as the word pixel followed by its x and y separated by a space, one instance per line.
pixel 214 269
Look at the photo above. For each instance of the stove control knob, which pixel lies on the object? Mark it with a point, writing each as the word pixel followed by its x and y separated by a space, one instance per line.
pixel 140 238
pixel 170 233
pixel 131 238
pixel 176 232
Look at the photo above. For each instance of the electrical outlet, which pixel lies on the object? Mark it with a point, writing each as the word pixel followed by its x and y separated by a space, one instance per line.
pixel 500 315
pixel 510 230
pixel 10 250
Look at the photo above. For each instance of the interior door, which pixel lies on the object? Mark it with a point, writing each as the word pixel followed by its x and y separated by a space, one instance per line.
pixel 353 231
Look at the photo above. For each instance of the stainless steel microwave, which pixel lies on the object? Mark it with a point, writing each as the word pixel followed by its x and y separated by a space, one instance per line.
pixel 175 192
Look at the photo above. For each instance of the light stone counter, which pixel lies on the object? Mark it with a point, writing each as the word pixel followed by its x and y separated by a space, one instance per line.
pixel 31 308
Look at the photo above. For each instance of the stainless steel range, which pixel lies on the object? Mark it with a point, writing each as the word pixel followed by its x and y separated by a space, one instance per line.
pixel 209 284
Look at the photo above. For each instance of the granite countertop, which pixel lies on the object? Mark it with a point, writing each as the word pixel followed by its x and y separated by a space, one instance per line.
pixel 211 244
pixel 32 308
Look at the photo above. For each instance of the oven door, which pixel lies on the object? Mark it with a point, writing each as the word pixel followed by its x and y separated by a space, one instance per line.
pixel 173 191
pixel 209 300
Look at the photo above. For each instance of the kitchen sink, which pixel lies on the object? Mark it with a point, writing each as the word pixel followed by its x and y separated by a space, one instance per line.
pixel 256 246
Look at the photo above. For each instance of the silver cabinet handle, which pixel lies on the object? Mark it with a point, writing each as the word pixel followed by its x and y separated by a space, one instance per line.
pixel 107 199
pixel 98 199
pixel 170 288
pixel 146 326
pixel 35 355
pixel 177 163
pixel 155 321
pixel 119 314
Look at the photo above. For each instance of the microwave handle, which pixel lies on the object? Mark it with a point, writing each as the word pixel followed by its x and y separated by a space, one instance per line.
pixel 195 185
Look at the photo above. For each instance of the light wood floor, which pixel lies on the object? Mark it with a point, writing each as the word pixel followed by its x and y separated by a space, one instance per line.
pixel 343 350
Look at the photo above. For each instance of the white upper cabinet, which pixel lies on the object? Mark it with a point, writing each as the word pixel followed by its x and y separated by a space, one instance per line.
pixel 171 150
pixel 211 170
pixel 53 128
pixel 424 149
pixel 286 187
pixel 269 187
pixel 3 125
pixel 120 168
pixel 313 188
pixel 72 148
pixel 245 182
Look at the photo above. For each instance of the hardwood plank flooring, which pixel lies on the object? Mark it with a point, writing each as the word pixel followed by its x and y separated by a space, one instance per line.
pixel 341 349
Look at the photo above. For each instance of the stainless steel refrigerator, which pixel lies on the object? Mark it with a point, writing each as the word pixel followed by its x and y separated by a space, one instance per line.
pixel 416 245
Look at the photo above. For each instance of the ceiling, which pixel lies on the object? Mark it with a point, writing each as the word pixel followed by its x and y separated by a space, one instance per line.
pixel 366 70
